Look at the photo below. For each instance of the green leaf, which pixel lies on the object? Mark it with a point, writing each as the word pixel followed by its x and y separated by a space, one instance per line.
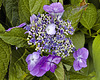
pixel 24 11
pixel 18 65
pixel 77 2
pixel 73 14
pixel 2 29
pixel 89 16
pixel 5 51
pixel 15 37
pixel 11 8
pixel 97 24
pixel 0 3
pixel 54 1
pixel 59 72
pixel 30 7
pixel 44 78
pixel 78 40
pixel 96 56
pixel 76 76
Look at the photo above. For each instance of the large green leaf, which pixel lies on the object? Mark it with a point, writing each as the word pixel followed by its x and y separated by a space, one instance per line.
pixel 73 14
pixel 11 8
pixel 59 72
pixel 89 16
pixel 78 40
pixel 2 29
pixel 97 24
pixel 5 52
pixel 29 7
pixel 96 56
pixel 18 66
pixel 15 37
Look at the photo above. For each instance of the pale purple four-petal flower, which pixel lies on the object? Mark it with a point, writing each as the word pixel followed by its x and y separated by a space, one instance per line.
pixel 50 63
pixel 80 58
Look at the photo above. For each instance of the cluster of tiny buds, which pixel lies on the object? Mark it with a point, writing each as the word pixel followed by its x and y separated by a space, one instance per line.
pixel 48 33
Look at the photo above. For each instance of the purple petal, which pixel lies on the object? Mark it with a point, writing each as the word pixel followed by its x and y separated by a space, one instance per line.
pixel 57 7
pixel 36 55
pixel 29 32
pixel 46 66
pixel 82 63
pixel 84 52
pixel 47 8
pixel 76 65
pixel 21 25
pixel 56 59
pixel 49 58
pixel 53 67
pixel 10 29
pixel 75 55
pixel 32 18
pixel 28 58
pixel 34 71
pixel 54 8
pixel 31 65
pixel 27 27
pixel 41 73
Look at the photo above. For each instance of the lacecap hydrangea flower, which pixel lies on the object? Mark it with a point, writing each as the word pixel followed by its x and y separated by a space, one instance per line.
pixel 48 33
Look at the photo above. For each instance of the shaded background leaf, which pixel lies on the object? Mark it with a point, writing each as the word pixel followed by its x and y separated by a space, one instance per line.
pixel 11 8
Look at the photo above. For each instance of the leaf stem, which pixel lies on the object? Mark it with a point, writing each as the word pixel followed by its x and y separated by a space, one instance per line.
pixel 90 32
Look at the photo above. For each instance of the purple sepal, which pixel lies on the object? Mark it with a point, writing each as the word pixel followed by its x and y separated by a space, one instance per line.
pixel 21 25
pixel 80 58
pixel 37 71
pixel 9 29
pixel 32 18
pixel 54 9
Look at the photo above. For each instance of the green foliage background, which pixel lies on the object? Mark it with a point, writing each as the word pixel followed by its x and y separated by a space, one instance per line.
pixel 87 34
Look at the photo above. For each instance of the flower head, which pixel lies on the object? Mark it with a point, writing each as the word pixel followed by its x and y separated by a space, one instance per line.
pixel 80 58
pixel 48 33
